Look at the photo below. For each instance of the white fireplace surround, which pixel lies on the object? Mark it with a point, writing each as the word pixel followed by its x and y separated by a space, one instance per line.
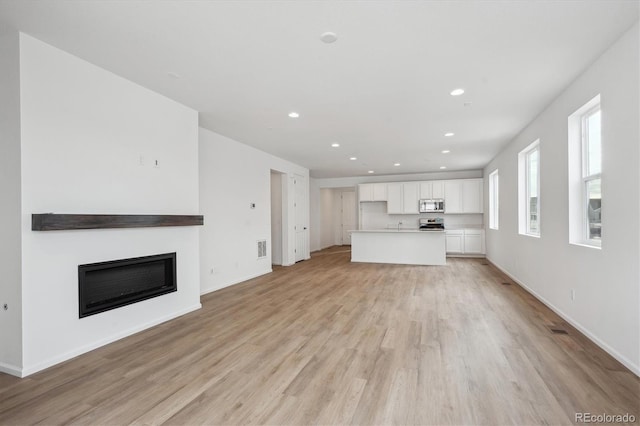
pixel 89 141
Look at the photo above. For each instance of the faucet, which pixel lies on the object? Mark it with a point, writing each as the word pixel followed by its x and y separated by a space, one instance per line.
pixel 399 223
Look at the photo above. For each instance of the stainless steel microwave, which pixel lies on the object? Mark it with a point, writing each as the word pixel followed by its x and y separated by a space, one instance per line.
pixel 432 206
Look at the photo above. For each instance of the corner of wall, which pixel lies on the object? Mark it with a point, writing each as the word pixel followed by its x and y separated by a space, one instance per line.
pixel 11 350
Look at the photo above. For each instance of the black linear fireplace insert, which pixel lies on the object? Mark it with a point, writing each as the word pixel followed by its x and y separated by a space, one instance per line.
pixel 109 285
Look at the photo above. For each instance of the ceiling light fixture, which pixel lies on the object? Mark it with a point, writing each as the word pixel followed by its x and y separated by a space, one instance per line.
pixel 457 92
pixel 353 158
pixel 294 114
pixel 445 151
pixel 443 167
pixel 370 171
pixel 173 75
pixel 335 145
pixel 396 164
pixel 328 37
pixel 449 134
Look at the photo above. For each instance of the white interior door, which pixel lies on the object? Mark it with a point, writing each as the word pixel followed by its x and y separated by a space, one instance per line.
pixel 300 217
pixel 348 216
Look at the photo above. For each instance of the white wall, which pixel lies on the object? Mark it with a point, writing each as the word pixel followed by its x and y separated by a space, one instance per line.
pixel 326 226
pixel 83 132
pixel 233 175
pixel 336 216
pixel 10 241
pixel 607 281
pixel 314 216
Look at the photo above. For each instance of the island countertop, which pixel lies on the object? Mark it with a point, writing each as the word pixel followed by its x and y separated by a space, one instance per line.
pixel 395 231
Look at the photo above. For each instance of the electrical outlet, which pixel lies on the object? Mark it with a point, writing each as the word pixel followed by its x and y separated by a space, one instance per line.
pixel 212 270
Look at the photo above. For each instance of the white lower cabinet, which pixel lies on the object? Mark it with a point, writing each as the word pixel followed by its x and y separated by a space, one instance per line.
pixel 465 241
pixel 455 241
pixel 473 241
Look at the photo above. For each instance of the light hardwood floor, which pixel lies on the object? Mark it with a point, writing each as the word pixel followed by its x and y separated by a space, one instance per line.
pixel 331 342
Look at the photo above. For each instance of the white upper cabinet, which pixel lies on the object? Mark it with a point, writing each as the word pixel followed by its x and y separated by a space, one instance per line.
pixel 379 192
pixel 437 189
pixel 372 192
pixel 432 189
pixel 410 197
pixel 426 189
pixel 452 196
pixel 460 195
pixel 472 196
pixel 394 198
pixel 365 192
pixel 463 196
pixel 403 198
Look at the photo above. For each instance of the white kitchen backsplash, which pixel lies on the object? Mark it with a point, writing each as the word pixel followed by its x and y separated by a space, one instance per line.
pixel 373 215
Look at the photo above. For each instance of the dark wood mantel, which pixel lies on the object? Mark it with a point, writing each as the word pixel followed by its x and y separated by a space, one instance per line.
pixel 60 222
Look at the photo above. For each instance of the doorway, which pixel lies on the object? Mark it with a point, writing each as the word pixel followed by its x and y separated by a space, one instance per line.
pixel 277 211
pixel 300 217
pixel 348 216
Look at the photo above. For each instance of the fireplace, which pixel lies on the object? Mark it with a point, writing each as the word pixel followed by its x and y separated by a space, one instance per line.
pixel 109 285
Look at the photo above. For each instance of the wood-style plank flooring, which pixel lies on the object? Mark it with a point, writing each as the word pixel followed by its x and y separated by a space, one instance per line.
pixel 331 342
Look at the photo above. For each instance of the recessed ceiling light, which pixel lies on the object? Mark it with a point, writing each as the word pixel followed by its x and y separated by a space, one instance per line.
pixel 294 114
pixel 445 151
pixel 173 75
pixel 335 145
pixel 353 158
pixel 396 164
pixel 328 37
pixel 449 134
pixel 457 92
pixel 443 167
pixel 370 171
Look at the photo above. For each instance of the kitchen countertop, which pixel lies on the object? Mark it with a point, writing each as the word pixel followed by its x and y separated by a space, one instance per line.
pixel 458 227
pixel 396 231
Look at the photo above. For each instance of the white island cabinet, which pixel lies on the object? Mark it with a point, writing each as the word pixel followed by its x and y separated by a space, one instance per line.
pixel 408 247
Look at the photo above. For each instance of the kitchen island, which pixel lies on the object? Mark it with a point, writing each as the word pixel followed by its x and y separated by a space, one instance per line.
pixel 404 246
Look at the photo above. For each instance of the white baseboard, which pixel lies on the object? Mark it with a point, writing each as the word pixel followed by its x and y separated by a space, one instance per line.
pixel 28 370
pixel 595 339
pixel 236 281
pixel 10 369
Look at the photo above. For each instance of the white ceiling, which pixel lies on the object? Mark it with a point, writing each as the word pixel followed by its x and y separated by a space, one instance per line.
pixel 381 90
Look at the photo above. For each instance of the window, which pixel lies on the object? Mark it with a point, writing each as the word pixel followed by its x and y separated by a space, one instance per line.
pixel 585 180
pixel 494 200
pixel 529 190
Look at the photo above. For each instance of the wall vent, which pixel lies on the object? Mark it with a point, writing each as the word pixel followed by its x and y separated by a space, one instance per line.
pixel 262 249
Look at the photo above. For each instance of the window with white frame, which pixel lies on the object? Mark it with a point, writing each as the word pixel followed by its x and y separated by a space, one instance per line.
pixel 494 199
pixel 585 175
pixel 529 190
